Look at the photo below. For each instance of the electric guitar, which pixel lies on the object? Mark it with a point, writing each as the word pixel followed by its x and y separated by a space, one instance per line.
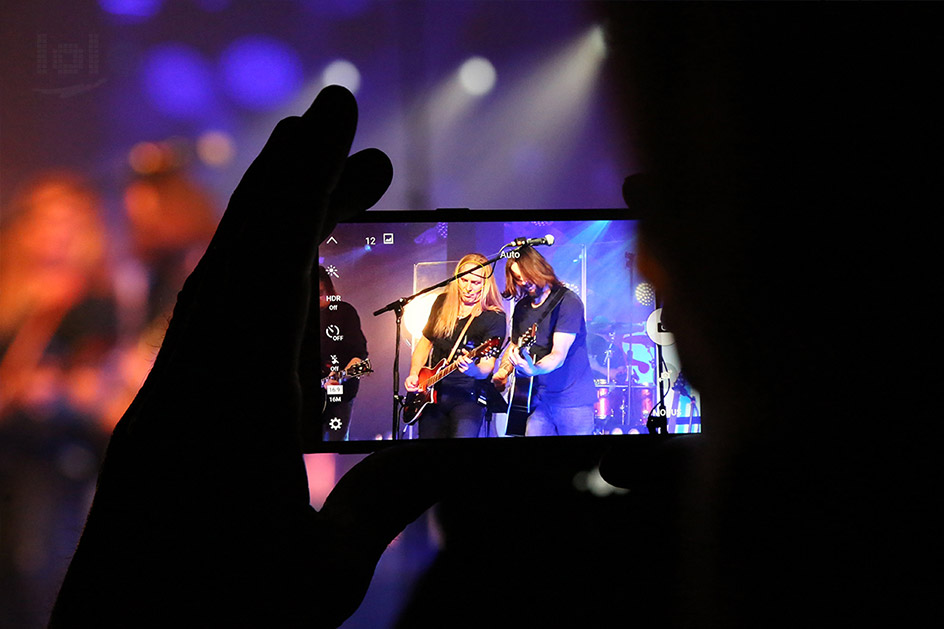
pixel 416 402
pixel 353 372
pixel 519 397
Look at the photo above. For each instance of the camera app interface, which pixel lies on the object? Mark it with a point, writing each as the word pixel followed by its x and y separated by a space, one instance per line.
pixel 506 329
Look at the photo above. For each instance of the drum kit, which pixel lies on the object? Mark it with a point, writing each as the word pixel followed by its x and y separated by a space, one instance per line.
pixel 621 398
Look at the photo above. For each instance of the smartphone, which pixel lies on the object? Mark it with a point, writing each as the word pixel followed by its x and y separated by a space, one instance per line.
pixel 402 358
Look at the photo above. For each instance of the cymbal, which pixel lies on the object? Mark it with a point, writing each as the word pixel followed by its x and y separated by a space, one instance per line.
pixel 612 327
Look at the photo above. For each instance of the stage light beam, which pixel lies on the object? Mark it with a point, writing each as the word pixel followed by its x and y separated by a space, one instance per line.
pixel 545 110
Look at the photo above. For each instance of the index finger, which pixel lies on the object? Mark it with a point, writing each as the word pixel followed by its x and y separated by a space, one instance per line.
pixel 254 274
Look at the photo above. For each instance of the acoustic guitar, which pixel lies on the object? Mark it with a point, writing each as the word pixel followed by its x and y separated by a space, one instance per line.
pixel 519 396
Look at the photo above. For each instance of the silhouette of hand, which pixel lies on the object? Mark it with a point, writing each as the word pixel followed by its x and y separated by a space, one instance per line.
pixel 202 512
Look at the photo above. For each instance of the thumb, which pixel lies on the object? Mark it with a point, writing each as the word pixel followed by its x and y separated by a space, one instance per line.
pixel 370 506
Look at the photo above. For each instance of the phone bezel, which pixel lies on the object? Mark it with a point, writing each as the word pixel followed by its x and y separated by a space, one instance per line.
pixel 485 215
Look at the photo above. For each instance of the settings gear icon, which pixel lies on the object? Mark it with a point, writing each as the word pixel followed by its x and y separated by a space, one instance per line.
pixel 334 423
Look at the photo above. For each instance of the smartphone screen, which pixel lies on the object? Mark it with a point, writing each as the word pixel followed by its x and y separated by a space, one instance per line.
pixel 410 347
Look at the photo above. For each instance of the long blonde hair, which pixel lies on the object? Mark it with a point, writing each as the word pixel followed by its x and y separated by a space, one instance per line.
pixel 489 298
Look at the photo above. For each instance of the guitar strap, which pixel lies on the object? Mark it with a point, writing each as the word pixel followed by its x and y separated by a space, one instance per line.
pixel 459 338
pixel 555 300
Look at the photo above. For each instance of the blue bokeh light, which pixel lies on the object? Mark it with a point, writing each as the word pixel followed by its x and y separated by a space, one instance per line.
pixel 178 81
pixel 341 9
pixel 261 73
pixel 131 9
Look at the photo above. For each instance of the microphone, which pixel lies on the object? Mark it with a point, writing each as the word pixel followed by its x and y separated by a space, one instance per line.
pixel 521 242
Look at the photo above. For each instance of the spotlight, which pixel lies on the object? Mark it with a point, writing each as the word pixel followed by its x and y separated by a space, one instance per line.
pixel 597 41
pixel 645 293
pixel 344 73
pixel 416 313
pixel 477 76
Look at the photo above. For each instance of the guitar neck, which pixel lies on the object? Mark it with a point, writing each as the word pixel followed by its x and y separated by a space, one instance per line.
pixel 342 377
pixel 442 373
pixel 448 369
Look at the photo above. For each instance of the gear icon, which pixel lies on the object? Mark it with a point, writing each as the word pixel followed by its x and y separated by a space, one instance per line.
pixel 334 423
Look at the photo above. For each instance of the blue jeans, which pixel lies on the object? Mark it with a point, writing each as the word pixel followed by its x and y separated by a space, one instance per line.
pixel 568 420
pixel 456 413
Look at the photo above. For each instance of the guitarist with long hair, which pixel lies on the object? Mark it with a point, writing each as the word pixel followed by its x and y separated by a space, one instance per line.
pixel 467 314
pixel 562 393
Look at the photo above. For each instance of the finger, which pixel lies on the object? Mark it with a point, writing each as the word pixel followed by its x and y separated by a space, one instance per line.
pixel 255 275
pixel 292 194
pixel 332 117
pixel 366 177
pixel 389 489
pixel 370 505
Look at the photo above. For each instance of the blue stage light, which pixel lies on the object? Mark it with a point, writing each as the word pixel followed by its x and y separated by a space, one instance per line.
pixel 178 81
pixel 137 10
pixel 261 73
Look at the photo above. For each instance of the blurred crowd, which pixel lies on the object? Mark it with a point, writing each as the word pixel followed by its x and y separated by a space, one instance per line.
pixel 86 291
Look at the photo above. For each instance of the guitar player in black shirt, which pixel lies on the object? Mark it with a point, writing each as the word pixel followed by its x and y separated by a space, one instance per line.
pixel 563 392
pixel 449 332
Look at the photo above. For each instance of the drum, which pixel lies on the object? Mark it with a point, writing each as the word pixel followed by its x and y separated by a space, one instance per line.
pixel 612 401
pixel 602 406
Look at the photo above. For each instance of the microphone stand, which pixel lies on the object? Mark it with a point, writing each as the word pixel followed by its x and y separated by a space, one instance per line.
pixel 397 308
pixel 659 425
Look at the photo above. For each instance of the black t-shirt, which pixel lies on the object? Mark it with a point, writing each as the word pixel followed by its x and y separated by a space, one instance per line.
pixel 489 324
pixel 341 340
pixel 571 384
